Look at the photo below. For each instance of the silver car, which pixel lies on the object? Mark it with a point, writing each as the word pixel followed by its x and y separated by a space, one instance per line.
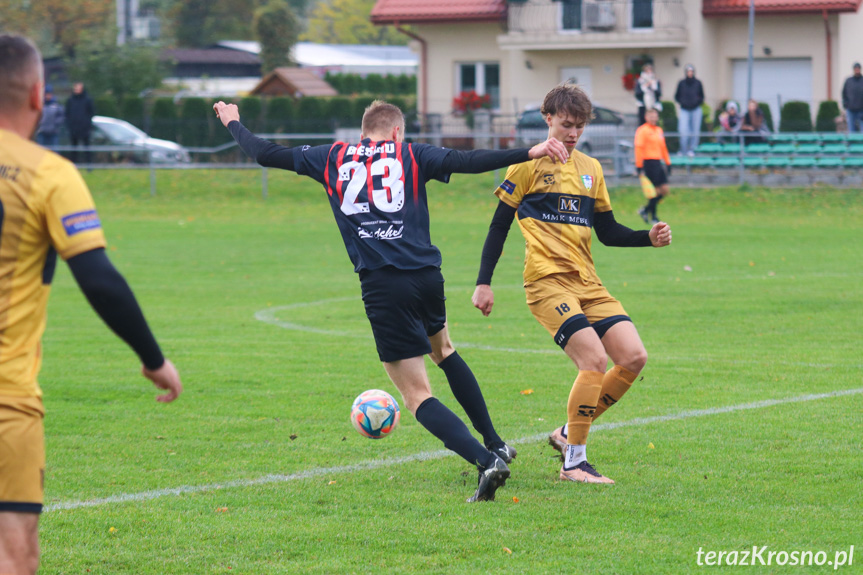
pixel 144 149
pixel 600 136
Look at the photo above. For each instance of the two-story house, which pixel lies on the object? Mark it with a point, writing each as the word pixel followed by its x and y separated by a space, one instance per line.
pixel 516 50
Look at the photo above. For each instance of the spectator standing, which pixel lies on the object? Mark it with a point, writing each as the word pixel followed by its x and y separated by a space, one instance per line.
pixel 648 91
pixel 79 119
pixel 690 97
pixel 754 124
pixel 52 120
pixel 852 100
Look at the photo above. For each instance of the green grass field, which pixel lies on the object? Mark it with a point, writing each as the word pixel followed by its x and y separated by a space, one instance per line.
pixel 755 362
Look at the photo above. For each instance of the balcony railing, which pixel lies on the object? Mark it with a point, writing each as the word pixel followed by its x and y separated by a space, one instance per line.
pixel 616 18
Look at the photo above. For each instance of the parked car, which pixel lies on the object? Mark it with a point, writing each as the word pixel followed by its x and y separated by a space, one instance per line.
pixel 143 149
pixel 599 137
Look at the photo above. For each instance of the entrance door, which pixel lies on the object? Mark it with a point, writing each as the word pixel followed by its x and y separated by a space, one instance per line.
pixel 774 81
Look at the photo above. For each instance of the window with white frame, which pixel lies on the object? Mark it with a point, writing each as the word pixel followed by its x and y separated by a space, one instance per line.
pixel 481 77
pixel 642 14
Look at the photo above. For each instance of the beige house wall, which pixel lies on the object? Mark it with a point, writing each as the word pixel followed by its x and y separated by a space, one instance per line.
pixel 526 75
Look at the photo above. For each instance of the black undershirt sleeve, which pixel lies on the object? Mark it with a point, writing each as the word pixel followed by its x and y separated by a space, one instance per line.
pixel 612 233
pixel 479 161
pixel 111 297
pixel 493 247
pixel 265 152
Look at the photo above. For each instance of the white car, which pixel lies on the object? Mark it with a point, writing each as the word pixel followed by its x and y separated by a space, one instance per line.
pixel 600 136
pixel 113 132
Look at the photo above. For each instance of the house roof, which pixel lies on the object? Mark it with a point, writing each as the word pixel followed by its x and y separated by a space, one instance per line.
pixel 313 54
pixel 296 82
pixel 208 56
pixel 741 7
pixel 421 11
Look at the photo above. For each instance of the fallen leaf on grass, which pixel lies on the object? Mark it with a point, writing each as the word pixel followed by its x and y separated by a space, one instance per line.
pixel 221 509
pixel 507 550
pixel 111 530
pixel 333 482
pixel 515 499
pixel 293 436
pixel 526 391
pixel 651 446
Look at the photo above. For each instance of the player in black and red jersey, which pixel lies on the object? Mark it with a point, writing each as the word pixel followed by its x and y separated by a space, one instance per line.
pixel 377 192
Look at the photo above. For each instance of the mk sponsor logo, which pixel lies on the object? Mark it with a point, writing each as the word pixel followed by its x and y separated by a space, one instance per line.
pixel 569 205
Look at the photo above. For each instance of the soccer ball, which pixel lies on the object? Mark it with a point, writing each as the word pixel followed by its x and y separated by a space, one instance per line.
pixel 375 413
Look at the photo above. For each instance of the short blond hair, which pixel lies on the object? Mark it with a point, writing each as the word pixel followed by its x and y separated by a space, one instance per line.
pixel 381 117
pixel 20 68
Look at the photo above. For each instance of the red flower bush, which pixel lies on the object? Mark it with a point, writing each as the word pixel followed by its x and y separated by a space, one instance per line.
pixel 469 101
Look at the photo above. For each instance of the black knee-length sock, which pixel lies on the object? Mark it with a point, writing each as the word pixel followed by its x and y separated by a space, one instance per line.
pixel 466 390
pixel 446 426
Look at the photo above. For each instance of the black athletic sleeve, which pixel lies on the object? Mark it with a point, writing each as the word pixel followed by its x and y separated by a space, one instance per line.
pixel 478 161
pixel 612 233
pixel 493 247
pixel 113 300
pixel 265 152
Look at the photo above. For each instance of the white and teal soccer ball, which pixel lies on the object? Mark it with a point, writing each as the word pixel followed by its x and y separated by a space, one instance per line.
pixel 375 413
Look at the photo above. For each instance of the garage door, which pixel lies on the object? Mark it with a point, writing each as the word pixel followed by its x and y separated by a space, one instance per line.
pixel 775 81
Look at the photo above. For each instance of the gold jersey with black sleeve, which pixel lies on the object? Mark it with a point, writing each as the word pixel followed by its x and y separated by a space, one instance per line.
pixel 555 204
pixel 45 210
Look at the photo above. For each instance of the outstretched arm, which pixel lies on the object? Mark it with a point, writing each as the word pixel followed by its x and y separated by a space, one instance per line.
pixel 612 233
pixel 264 152
pixel 113 300
pixel 483 296
pixel 478 161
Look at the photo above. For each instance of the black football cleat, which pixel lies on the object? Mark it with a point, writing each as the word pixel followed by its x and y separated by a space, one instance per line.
pixel 490 479
pixel 505 452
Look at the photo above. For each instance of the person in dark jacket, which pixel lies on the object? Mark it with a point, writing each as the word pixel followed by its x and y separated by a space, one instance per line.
pixel 79 119
pixel 852 100
pixel 690 96
pixel 52 120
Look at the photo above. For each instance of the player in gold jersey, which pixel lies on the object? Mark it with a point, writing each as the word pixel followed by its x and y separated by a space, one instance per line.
pixel 557 205
pixel 45 210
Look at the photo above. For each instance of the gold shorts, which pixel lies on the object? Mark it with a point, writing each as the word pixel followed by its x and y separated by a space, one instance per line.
pixel 22 454
pixel 563 305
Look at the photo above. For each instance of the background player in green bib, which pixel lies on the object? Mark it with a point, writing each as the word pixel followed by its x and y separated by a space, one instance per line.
pixel 557 205
pixel 45 210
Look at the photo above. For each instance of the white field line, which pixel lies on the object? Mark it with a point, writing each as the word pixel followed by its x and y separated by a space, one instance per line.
pixel 427 455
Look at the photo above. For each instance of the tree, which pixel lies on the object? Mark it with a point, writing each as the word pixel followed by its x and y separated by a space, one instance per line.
pixel 57 25
pixel 276 29
pixel 347 22
pixel 199 23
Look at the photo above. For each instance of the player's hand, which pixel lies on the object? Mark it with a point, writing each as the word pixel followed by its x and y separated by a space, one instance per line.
pixel 660 235
pixel 553 148
pixel 166 377
pixel 483 299
pixel 227 113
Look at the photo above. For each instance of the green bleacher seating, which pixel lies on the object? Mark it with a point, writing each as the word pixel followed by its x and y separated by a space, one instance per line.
pixel 757 148
pixel 808 149
pixel 835 148
pixel 753 162
pixel 681 161
pixel 805 162
pixel 853 162
pixel 832 137
pixel 728 162
pixel 806 137
pixel 829 162
pixel 782 149
pixel 701 162
pixel 708 148
pixel 855 148
pixel 782 138
pixel 856 137
pixel 777 162
pixel 730 149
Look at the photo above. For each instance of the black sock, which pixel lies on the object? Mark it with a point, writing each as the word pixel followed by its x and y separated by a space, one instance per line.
pixel 446 426
pixel 651 206
pixel 466 391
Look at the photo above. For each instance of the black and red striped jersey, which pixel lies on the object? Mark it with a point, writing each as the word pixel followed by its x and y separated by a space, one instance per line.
pixel 378 196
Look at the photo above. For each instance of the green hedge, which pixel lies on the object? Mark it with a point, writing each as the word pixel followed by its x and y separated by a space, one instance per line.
pixel 163 119
pixel 132 110
pixel 825 121
pixel 251 113
pixel 796 117
pixel 194 122
pixel 279 115
pixel 668 121
pixel 106 106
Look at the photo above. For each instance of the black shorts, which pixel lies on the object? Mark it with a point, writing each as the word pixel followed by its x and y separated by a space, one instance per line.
pixel 404 307
pixel 655 172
